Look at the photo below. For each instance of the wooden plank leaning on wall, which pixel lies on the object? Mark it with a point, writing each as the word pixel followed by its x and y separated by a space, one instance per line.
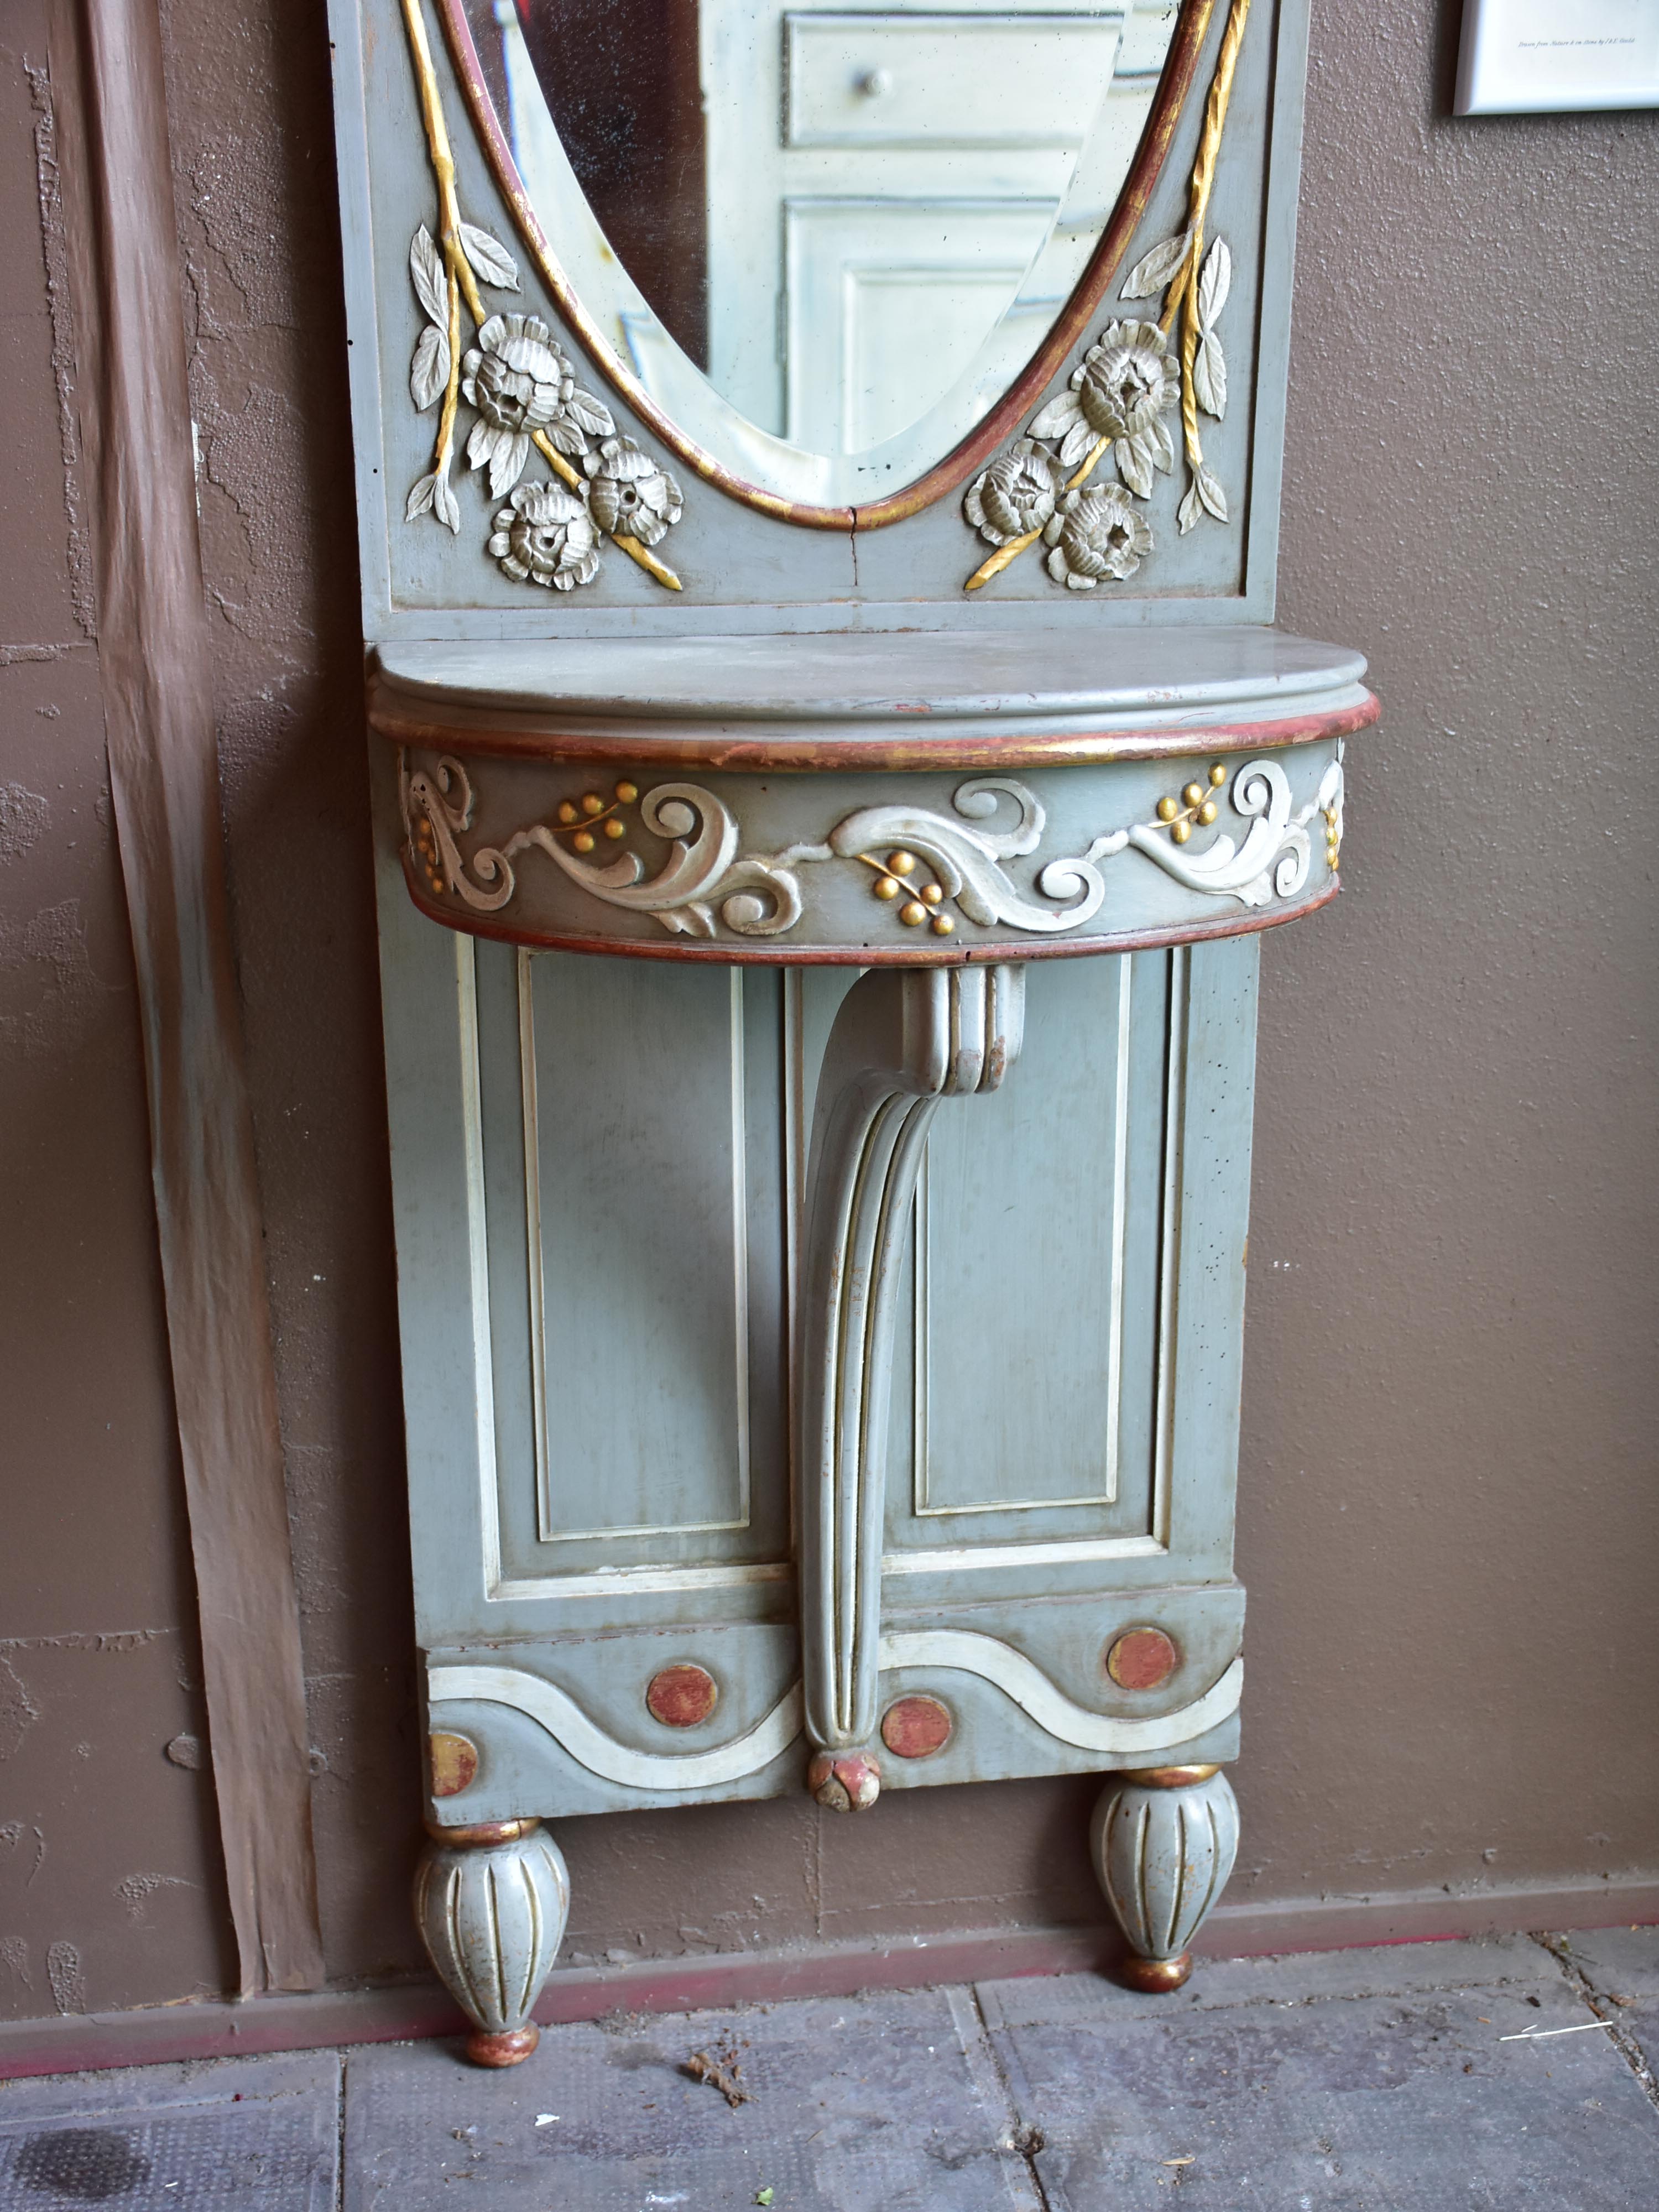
pixel 154 651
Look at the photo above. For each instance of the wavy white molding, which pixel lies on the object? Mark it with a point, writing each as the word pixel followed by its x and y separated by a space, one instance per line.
pixel 1035 1695
pixel 601 1754
pixel 958 1650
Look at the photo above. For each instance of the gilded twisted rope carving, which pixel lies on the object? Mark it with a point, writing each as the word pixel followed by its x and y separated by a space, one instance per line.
pixel 526 394
pixel 1120 390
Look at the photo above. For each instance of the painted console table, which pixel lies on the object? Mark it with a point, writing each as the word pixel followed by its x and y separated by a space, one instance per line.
pixel 768 1428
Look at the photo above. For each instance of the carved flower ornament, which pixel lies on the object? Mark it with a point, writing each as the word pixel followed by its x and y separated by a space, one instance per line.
pixel 1118 390
pixel 1095 534
pixel 1130 379
pixel 519 382
pixel 630 496
pixel 526 393
pixel 1016 492
pixel 545 535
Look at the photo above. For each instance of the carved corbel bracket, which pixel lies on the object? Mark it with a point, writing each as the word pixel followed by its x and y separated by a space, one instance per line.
pixel 904 1039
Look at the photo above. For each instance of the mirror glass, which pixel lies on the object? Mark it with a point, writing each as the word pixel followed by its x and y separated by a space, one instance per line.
pixel 825 242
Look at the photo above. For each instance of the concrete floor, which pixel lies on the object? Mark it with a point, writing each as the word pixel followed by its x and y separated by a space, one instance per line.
pixel 1408 2079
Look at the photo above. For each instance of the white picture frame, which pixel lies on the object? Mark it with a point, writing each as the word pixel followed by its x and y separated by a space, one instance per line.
pixel 1538 56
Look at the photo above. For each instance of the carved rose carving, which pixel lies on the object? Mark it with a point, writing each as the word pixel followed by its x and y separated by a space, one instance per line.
pixel 1017 494
pixel 1118 390
pixel 545 535
pixel 519 382
pixel 1095 534
pixel 629 495
pixel 523 387
pixel 1131 379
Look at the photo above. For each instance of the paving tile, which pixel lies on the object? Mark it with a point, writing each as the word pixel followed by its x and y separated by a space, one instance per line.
pixel 238 2134
pixel 1407 2103
pixel 1383 1970
pixel 1622 1963
pixel 881 2104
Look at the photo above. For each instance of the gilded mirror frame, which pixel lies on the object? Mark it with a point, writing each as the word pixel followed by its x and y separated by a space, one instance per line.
pixel 1002 421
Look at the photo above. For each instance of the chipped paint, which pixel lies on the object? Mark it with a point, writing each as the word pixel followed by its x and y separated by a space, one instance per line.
pixel 46 973
pixel 18 1710
pixel 66 1977
pixel 54 251
pixel 136 1891
pixel 23 819
pixel 88 1639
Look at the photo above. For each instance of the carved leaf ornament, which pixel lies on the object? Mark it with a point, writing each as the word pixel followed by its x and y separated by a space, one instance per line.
pixel 1135 375
pixel 525 396
pixel 932 868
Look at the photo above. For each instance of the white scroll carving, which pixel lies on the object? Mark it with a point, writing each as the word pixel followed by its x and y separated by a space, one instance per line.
pixel 706 885
pixel 754 897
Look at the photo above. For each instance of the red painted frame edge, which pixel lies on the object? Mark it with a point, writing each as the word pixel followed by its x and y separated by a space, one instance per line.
pixel 802 754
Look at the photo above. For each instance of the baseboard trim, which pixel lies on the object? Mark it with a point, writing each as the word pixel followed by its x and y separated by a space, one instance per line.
pixel 412 2011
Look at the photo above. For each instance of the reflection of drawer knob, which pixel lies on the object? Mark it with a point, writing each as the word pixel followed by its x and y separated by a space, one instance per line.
pixel 876 83
pixel 680 1697
pixel 1141 1658
pixel 915 1727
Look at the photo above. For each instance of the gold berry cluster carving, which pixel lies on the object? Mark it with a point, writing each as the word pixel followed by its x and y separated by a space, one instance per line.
pixel 895 878
pixel 581 818
pixel 425 842
pixel 1194 807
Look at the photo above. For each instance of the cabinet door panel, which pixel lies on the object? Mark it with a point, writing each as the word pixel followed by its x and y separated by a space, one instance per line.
pixel 633 1153
pixel 1025 1400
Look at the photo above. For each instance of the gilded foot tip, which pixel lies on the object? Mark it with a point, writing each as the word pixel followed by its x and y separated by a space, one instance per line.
pixel 1152 1975
pixel 503 2047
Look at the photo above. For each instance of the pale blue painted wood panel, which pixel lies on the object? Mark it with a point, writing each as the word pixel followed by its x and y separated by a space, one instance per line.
pixel 632 1119
pixel 1036 1262
pixel 426 977
pixel 634 1104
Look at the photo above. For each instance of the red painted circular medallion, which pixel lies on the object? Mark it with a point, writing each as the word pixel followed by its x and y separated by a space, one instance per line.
pixel 915 1727
pixel 1141 1658
pixel 680 1697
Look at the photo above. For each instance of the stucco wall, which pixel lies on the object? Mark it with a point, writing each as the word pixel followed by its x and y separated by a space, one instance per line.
pixel 1448 1520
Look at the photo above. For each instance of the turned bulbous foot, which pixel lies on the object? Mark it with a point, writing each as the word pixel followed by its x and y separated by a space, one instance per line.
pixel 1164 1841
pixel 490 1903
pixel 844 1781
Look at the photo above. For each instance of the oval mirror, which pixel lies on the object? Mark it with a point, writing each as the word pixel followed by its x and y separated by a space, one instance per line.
pixel 820 248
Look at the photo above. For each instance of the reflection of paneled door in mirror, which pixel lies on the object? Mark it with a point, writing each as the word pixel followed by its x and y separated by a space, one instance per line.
pixel 629 119
pixel 933 190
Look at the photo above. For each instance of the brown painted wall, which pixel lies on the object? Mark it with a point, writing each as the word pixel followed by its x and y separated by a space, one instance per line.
pixel 1450 1518
pixel 109 1885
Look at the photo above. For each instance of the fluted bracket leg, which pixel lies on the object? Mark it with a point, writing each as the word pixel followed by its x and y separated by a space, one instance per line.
pixel 491 1903
pixel 1164 1841
pixel 904 1039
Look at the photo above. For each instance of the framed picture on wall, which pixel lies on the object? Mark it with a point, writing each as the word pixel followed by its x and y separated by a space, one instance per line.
pixel 1526 57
